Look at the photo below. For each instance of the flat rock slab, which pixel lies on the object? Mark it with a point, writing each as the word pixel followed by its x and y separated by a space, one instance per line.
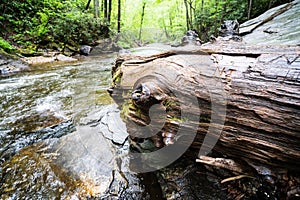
pixel 79 165
pixel 278 26
pixel 42 59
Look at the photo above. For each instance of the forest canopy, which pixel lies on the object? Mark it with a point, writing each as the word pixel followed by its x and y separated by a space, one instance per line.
pixel 35 24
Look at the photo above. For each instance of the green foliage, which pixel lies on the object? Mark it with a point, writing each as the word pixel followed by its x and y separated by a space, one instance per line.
pixel 209 15
pixel 167 18
pixel 164 21
pixel 77 27
pixel 6 46
pixel 35 23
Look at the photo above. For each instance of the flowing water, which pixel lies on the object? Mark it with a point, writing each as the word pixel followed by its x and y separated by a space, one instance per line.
pixel 36 103
pixel 54 101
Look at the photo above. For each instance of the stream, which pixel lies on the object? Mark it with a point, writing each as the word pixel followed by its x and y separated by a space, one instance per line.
pixel 45 96
pixel 61 137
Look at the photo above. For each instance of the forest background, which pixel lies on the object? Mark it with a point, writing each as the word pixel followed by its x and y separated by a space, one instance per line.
pixel 33 25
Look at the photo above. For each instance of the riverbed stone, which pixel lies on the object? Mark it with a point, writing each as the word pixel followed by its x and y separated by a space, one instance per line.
pixel 85 50
pixel 82 164
pixel 10 65
pixel 37 60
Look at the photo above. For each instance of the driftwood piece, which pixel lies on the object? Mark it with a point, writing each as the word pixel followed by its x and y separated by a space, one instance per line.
pixel 262 89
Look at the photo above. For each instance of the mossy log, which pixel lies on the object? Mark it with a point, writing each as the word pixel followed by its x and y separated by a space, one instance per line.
pixel 248 97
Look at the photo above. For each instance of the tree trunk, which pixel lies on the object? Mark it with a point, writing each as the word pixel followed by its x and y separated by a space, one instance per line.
pixel 142 19
pixel 187 15
pixel 191 14
pixel 242 101
pixel 105 8
pixel 119 16
pixel 109 10
pixel 249 9
pixel 96 8
pixel 88 4
pixel 102 6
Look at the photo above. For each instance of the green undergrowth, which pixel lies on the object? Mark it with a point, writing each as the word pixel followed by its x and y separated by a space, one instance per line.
pixel 54 24
pixel 6 46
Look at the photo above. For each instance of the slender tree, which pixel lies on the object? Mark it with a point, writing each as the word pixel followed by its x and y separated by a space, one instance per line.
pixel 142 19
pixel 119 16
pixel 270 4
pixel 105 8
pixel 109 10
pixel 187 15
pixel 88 5
pixel 191 8
pixel 96 8
pixel 250 8
pixel 102 6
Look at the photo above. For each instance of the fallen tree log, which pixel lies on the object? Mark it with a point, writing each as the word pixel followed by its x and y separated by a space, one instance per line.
pixel 247 99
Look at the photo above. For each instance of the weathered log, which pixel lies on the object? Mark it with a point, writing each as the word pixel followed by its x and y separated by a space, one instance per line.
pixel 259 85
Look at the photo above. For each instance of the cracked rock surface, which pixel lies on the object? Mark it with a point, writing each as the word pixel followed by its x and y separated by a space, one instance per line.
pixel 83 164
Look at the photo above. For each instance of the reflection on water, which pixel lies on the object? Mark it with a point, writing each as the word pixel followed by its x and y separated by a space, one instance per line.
pixel 45 96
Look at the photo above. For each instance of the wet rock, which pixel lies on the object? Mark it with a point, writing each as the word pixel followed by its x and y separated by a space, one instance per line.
pixel 59 58
pixel 116 131
pixel 10 65
pixel 229 27
pixel 191 38
pixel 85 50
pixel 277 26
pixel 83 164
pixel 123 52
pixel 229 31
pixel 13 142
pixel 187 180
pixel 105 46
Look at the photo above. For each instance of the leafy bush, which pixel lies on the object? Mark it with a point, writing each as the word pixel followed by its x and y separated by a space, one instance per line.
pixel 6 46
pixel 77 27
pixel 35 23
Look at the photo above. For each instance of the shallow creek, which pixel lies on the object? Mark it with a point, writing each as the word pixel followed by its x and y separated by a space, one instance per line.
pixel 61 137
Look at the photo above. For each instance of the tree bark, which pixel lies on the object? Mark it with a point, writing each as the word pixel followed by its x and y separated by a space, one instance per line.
pixel 261 127
pixel 105 9
pixel 96 8
pixel 109 10
pixel 187 15
pixel 119 16
pixel 142 19
pixel 88 4
pixel 191 13
pixel 249 9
